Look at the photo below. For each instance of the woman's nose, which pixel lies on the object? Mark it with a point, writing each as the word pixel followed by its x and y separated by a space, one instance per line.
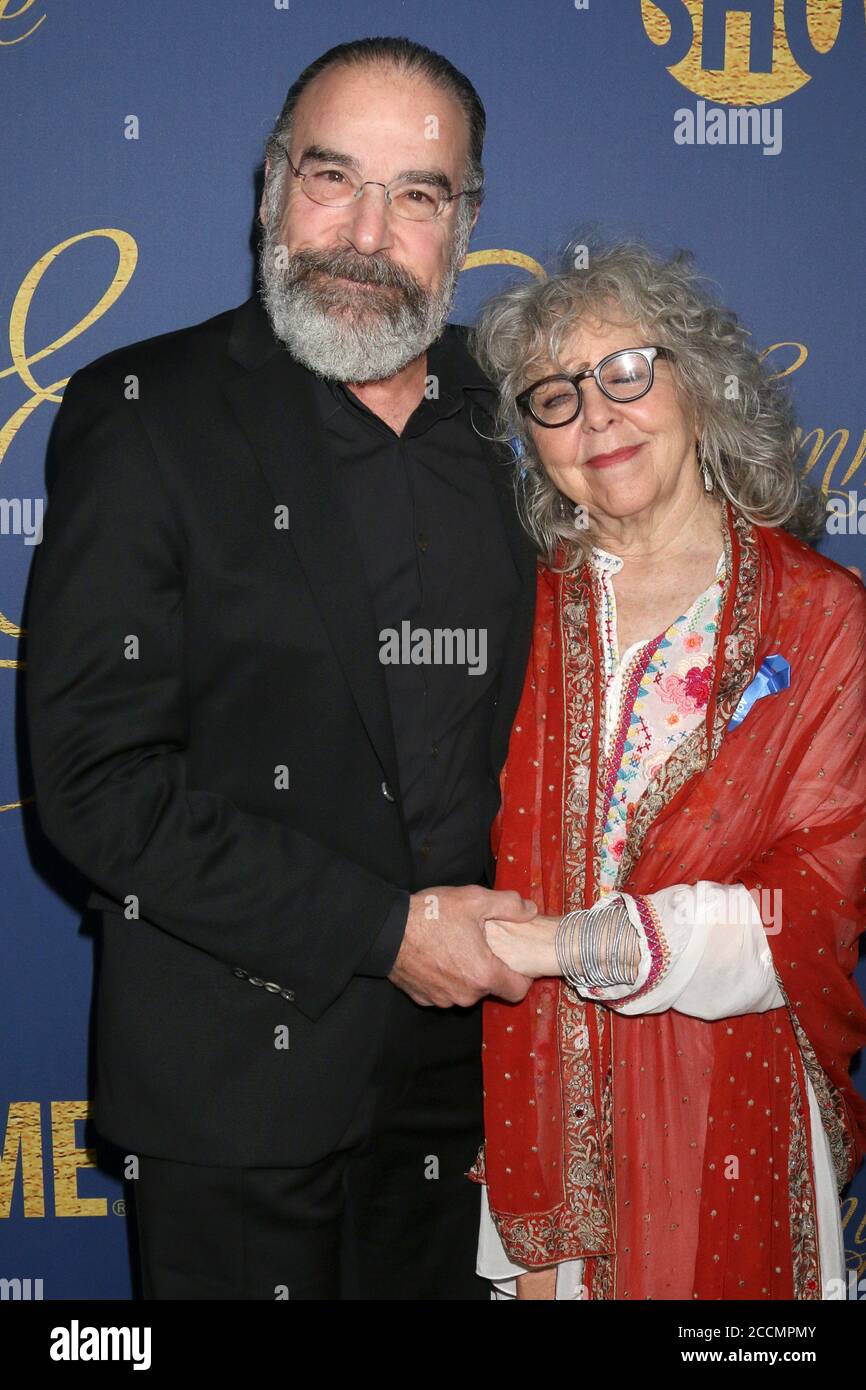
pixel 596 410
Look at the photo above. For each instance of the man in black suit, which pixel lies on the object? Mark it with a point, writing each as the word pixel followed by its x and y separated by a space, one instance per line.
pixel 278 628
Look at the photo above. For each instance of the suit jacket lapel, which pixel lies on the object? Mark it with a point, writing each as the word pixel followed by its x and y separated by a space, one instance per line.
pixel 273 406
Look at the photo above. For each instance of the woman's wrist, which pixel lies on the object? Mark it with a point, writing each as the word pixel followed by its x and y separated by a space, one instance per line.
pixel 548 927
pixel 598 945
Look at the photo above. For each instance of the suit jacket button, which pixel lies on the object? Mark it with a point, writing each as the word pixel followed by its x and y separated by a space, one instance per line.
pixel 387 792
pixel 254 980
pixel 287 994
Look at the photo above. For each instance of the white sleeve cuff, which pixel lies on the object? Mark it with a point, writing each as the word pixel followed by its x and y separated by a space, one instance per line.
pixel 704 952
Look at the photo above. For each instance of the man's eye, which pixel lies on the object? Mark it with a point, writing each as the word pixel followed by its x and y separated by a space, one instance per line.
pixel 422 197
pixel 328 176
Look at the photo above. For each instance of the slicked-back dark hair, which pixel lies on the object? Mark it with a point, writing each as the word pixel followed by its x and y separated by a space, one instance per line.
pixel 405 56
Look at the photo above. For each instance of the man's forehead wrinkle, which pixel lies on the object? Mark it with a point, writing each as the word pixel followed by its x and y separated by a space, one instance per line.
pixel 449 115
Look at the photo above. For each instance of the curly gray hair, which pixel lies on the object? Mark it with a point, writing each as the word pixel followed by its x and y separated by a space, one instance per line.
pixel 749 441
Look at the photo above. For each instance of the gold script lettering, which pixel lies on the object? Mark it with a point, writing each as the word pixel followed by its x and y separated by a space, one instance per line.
pixel 479 258
pixel 818 438
pixel 127 256
pixel 6 13
pixel 22 362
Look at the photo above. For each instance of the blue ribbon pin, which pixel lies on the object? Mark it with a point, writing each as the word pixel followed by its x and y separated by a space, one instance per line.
pixel 773 675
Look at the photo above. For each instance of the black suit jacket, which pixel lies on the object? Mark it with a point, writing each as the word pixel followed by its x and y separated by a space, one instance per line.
pixel 182 648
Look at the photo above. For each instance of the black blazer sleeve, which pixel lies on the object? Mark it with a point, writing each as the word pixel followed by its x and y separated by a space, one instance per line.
pixel 108 729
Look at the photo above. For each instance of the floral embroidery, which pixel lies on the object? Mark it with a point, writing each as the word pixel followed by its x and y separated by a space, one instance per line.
pixel 689 692
pixel 655 695
pixel 637 737
pixel 692 753
pixel 583 1223
pixel 804 1235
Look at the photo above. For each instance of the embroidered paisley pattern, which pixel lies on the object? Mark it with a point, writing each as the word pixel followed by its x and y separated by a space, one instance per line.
pixel 801 1201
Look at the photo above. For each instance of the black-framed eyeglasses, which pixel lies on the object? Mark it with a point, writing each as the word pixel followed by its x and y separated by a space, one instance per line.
pixel 625 375
pixel 332 186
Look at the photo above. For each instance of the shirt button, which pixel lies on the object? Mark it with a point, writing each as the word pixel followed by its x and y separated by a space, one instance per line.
pixel 387 792
pixel 422 542
pixel 434 750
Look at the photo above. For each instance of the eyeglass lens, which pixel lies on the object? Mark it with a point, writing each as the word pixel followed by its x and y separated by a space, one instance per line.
pixel 623 377
pixel 331 186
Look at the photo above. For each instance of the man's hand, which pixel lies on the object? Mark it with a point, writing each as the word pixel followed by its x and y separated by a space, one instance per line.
pixel 444 958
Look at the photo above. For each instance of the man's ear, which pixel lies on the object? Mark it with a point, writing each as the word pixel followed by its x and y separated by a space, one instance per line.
pixel 262 208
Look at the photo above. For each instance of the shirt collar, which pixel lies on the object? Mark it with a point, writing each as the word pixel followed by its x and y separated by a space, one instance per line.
pixel 453 369
pixel 449 356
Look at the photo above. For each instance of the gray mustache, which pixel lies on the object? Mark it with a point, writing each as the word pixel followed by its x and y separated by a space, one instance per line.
pixel 364 272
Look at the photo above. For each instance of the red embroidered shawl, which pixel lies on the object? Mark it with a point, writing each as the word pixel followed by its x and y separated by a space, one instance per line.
pixel 778 802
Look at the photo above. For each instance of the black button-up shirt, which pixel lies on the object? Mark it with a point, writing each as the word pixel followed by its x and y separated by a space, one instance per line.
pixel 437 561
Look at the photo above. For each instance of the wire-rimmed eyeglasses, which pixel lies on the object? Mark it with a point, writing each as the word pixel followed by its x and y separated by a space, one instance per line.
pixel 625 375
pixel 332 186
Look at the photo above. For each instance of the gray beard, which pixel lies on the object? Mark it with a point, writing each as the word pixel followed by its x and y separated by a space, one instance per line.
pixel 344 331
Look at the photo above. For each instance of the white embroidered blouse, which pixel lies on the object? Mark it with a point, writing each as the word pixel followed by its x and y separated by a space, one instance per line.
pixel 718 960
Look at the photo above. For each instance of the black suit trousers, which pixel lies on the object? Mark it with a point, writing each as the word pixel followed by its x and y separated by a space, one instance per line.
pixel 389 1215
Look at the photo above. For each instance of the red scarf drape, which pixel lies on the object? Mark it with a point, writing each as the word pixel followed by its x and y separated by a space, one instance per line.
pixel 779 803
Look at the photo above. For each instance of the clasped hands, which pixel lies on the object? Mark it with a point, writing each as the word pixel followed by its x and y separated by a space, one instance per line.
pixel 462 944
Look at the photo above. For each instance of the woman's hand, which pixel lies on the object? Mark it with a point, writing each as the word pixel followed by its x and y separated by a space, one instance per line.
pixel 527 947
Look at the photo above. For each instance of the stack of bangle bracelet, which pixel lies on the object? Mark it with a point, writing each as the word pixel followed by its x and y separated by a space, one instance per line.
pixel 607 922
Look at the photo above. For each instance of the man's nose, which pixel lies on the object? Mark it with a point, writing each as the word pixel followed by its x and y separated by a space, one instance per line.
pixel 367 221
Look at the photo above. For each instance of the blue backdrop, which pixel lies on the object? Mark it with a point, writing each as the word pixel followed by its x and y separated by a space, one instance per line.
pixel 131 144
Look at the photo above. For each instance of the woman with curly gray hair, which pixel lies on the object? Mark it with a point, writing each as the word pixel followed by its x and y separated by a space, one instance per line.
pixel 668 1112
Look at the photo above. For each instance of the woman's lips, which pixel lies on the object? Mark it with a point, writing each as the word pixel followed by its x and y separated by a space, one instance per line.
pixel 618 456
